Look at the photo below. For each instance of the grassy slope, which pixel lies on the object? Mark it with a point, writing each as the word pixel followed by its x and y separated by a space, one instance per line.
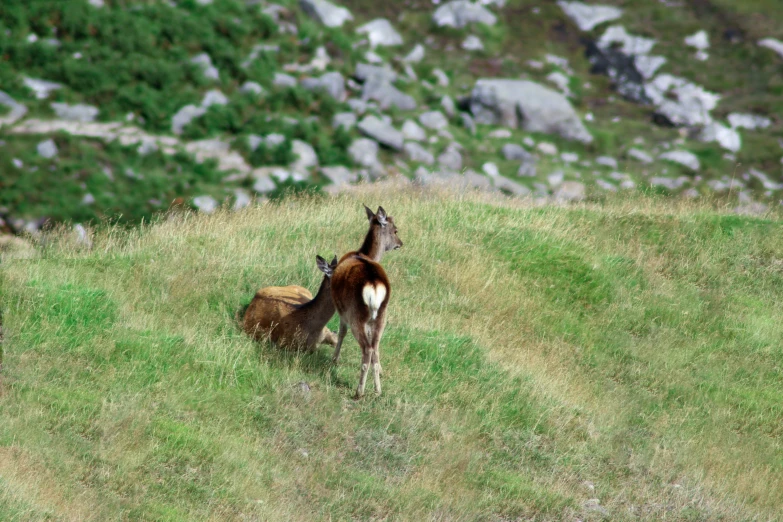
pixel 531 353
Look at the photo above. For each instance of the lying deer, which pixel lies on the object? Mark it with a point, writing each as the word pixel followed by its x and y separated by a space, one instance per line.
pixel 290 316
pixel 361 291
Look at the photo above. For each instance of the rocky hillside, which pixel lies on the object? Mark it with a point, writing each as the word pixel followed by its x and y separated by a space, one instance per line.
pixel 117 108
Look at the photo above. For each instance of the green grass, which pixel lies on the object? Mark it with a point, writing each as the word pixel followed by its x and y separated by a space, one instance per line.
pixel 535 358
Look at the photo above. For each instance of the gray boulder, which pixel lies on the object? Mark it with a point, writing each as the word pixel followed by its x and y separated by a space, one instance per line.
pixel 451 159
pixel 345 120
pixel 380 33
pixel 204 62
pixel 640 155
pixel 364 152
pixel 589 16
pixel 333 83
pixel 251 88
pixel 305 154
pixel 205 204
pixel 214 97
pixel 381 131
pixel 417 153
pixel 325 12
pixel 416 55
pixel 512 151
pixel 365 72
pixel 459 13
pixel 526 104
pixel 683 157
pixel 15 110
pixel 448 105
pixel 339 175
pixel 434 120
pixel 47 149
pixel 570 191
pixel 284 80
pixel 387 95
pixel 79 112
pixel 41 88
pixel 184 116
pixel 511 186
pixel 412 131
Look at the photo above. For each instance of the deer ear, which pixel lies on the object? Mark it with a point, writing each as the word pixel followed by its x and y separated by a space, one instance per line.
pixel 321 262
pixel 334 262
pixel 370 215
pixel 381 215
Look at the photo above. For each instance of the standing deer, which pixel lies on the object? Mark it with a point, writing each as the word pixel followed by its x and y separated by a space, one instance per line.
pixel 290 316
pixel 361 291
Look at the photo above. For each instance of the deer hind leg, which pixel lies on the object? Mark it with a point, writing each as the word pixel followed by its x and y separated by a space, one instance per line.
pixel 377 333
pixel 360 333
pixel 341 333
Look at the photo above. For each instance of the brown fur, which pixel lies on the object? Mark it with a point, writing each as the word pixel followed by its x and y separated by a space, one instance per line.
pixel 354 272
pixel 289 315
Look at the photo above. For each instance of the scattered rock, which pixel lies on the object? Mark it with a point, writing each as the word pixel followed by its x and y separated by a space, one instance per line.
pixel 204 61
pixel 381 33
pixel 41 88
pixel 512 151
pixel 346 120
pixel 47 149
pixel 606 161
pixel 416 55
pixel 699 40
pixel 547 148
pixel 522 103
pixel 451 159
pixel 242 199
pixel 184 116
pixel 648 65
pixel 412 131
pixel 561 81
pixel 459 13
pixel 490 169
pixel 16 110
pixel 748 121
pixel 263 183
pixel 570 191
pixel 441 77
pixel 382 73
pixel 668 183
pixel 306 157
pixel 766 182
pixel 364 152
pixel 640 155
pixel 381 132
pixel 680 102
pixel 500 134
pixel 434 120
pixel 339 175
pixel 147 147
pixel 507 185
pixel 587 17
pixel 205 204
pixel 468 123
pixel 569 157
pixel 605 185
pixel 419 154
pixel 256 51
pixel 682 157
pixel 556 178
pixel 332 83
pixel 387 95
pixel 251 88
pixel 472 43
pixel 284 80
pixel 728 138
pixel 617 37
pixel 214 97
pixel 773 44
pixel 448 105
pixel 325 12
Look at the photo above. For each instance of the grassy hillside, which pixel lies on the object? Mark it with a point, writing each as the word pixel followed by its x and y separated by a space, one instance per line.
pixel 551 363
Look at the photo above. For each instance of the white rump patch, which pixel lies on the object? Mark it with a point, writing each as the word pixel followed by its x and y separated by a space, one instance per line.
pixel 373 296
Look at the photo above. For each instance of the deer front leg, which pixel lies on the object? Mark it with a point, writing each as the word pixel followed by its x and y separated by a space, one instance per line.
pixel 341 333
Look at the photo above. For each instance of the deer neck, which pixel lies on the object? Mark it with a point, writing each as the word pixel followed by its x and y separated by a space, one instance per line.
pixel 372 245
pixel 321 308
